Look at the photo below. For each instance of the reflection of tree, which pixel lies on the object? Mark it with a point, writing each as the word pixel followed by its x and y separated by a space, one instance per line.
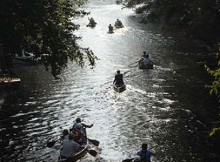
pixel 6 62
pixel 44 28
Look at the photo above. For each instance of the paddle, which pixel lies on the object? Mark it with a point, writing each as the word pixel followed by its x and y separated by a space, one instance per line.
pixel 128 160
pixel 92 152
pixel 51 143
pixel 132 64
pixel 94 142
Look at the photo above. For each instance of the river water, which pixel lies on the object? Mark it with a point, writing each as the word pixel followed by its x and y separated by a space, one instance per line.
pixel 167 107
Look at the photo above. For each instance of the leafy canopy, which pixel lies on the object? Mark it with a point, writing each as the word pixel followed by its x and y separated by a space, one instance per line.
pixel 45 28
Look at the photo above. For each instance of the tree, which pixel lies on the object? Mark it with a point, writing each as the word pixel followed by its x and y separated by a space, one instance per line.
pixel 199 18
pixel 215 86
pixel 45 28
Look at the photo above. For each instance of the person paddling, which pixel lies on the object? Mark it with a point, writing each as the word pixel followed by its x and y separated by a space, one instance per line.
pixel 145 153
pixel 110 28
pixel 69 148
pixel 79 121
pixel 118 23
pixel 145 61
pixel 118 78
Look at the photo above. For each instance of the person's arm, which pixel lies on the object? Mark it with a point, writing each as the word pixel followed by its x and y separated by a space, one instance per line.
pixel 141 59
pixel 114 80
pixel 153 153
pixel 87 126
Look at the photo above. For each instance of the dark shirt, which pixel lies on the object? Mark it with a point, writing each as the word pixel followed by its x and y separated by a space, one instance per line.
pixel 145 155
pixel 110 28
pixel 118 79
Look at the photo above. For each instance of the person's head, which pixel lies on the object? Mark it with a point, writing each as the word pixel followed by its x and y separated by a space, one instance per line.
pixel 70 136
pixel 78 120
pixel 144 146
pixel 147 56
pixel 65 132
pixel 117 19
pixel 118 71
pixel 78 126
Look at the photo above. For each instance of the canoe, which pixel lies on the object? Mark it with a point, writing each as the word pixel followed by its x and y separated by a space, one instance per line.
pixel 110 32
pixel 119 88
pixel 150 66
pixel 28 57
pixel 9 82
pixel 118 26
pixel 78 155
pixel 81 153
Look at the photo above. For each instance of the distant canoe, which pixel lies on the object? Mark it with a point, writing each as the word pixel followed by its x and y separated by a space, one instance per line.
pixel 110 32
pixel 9 82
pixel 119 26
pixel 28 57
pixel 150 66
pixel 119 88
pixel 92 25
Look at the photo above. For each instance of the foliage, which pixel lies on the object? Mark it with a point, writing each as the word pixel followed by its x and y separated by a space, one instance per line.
pixel 200 18
pixel 214 87
pixel 42 27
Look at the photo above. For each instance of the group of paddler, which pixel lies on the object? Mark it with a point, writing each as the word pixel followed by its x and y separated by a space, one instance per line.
pixel 74 141
pixel 118 24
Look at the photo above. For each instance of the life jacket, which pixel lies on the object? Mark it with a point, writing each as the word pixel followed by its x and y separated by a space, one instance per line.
pixel 78 136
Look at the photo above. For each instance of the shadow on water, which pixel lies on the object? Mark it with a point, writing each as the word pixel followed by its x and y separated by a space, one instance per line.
pixel 167 107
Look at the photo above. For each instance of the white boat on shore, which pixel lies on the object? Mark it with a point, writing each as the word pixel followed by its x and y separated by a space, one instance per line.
pixel 27 57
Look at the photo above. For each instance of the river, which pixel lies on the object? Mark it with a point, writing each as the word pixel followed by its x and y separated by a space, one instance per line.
pixel 167 107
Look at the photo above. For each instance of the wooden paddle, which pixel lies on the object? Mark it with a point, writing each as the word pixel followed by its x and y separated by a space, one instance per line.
pixel 94 142
pixel 128 160
pixel 134 64
pixel 92 152
pixel 51 143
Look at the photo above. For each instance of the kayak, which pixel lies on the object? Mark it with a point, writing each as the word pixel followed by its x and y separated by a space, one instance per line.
pixel 119 88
